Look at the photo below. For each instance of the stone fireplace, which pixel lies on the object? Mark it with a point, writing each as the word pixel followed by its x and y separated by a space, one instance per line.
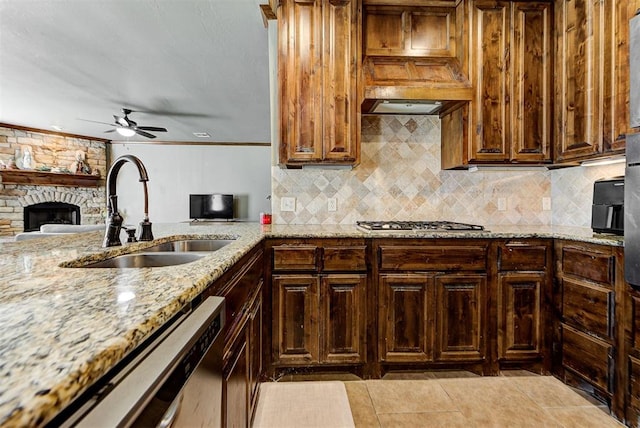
pixel 48 204
pixel 46 197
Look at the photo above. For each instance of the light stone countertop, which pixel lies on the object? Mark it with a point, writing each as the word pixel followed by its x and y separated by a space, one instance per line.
pixel 62 328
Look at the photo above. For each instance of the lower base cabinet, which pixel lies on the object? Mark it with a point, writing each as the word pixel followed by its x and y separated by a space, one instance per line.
pixel 242 287
pixel 235 387
pixel 300 337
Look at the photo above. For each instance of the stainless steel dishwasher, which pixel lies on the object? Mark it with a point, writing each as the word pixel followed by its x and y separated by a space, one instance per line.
pixel 175 381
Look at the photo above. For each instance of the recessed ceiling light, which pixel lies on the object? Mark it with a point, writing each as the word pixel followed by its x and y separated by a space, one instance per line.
pixel 56 127
pixel 201 134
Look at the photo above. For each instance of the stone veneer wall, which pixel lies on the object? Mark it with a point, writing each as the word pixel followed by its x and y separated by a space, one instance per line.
pixel 400 178
pixel 50 150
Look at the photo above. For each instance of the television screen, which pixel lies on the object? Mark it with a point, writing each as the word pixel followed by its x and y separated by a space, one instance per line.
pixel 213 206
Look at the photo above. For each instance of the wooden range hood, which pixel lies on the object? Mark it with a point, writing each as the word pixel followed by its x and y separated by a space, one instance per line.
pixel 429 85
pixel 414 56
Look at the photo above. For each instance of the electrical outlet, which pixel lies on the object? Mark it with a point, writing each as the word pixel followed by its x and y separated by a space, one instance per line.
pixel 288 204
pixel 546 204
pixel 332 204
pixel 502 204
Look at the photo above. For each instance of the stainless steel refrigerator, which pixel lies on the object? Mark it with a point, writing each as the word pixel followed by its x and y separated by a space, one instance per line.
pixel 632 170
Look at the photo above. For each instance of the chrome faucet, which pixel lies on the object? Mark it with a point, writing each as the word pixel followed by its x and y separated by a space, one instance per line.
pixel 114 219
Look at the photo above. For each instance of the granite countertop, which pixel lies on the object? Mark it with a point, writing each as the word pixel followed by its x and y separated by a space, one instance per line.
pixel 62 328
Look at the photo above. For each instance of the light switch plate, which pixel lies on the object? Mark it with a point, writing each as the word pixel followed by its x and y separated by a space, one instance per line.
pixel 546 204
pixel 332 204
pixel 288 204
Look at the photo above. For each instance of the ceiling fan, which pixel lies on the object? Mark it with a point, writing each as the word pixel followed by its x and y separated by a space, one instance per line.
pixel 127 127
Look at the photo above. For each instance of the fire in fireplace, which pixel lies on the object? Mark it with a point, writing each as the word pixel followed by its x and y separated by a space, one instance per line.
pixel 50 213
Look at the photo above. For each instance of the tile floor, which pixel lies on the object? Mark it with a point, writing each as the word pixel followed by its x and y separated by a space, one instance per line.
pixel 453 400
pixel 462 399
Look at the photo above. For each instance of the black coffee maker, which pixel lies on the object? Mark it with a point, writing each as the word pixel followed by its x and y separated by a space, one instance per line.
pixel 607 212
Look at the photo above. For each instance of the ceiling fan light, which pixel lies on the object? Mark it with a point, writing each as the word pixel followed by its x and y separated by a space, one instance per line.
pixel 126 132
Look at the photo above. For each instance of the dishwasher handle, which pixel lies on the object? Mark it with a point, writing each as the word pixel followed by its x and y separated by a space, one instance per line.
pixel 172 357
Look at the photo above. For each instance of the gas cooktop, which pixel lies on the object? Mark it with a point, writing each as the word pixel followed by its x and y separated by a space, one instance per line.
pixel 442 226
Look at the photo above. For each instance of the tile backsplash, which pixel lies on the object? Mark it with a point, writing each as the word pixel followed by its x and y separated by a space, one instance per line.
pixel 399 178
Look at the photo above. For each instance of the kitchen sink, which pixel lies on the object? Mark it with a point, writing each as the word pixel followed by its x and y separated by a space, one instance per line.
pixel 189 245
pixel 142 260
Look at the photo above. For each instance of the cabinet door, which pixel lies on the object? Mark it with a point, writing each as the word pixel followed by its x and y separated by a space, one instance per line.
pixel 490 67
pixel 579 78
pixel 300 70
pixel 531 54
pixel 295 319
pixel 255 349
pixel 235 386
pixel 520 328
pixel 406 308
pixel 343 316
pixel 460 317
pixel 339 97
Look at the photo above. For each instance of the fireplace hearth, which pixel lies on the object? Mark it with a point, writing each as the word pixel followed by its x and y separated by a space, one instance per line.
pixel 50 213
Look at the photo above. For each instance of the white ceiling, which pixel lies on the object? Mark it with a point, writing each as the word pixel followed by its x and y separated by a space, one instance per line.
pixel 186 65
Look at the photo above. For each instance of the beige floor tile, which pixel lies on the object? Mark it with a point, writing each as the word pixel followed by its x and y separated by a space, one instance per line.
pixel 364 415
pixel 517 373
pixel 408 396
pixel 424 420
pixel 582 417
pixel 495 401
pixel 547 391
pixel 432 374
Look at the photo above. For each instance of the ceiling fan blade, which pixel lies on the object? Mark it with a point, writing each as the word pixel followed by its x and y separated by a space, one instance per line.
pixel 109 130
pixel 95 121
pixel 144 134
pixel 151 128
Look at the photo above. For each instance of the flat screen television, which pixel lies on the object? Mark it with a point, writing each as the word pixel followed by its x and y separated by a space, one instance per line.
pixel 212 206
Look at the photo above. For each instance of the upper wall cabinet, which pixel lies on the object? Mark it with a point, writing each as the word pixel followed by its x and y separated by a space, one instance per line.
pixel 410 31
pixel 592 77
pixel 509 118
pixel 318 66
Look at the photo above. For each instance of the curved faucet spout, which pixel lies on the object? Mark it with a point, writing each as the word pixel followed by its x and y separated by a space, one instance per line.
pixel 114 220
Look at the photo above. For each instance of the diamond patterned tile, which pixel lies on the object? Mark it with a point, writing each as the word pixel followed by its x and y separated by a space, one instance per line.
pixel 399 177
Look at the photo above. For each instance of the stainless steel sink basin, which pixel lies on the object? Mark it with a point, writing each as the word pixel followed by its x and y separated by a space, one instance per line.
pixel 142 260
pixel 188 245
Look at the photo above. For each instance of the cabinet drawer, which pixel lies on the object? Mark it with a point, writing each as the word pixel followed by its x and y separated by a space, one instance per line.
pixel 446 257
pixel 586 356
pixel 588 307
pixel 634 382
pixel 344 258
pixel 520 256
pixel 590 265
pixel 295 257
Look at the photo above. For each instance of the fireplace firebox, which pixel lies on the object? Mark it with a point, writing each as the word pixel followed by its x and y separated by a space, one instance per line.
pixel 50 213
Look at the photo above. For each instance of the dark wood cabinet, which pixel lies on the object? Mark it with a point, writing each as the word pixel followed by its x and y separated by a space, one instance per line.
pixel 342 300
pixel 432 302
pixel 510 65
pixel 592 88
pixel 295 310
pixel 524 288
pixel 254 344
pixel 235 390
pixel 242 288
pixel 460 317
pixel 406 316
pixel 588 330
pixel 319 290
pixel 318 66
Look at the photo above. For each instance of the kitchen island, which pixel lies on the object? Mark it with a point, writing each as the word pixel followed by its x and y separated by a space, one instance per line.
pixel 62 328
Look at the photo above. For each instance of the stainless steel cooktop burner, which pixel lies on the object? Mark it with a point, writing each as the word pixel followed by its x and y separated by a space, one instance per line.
pixel 443 226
